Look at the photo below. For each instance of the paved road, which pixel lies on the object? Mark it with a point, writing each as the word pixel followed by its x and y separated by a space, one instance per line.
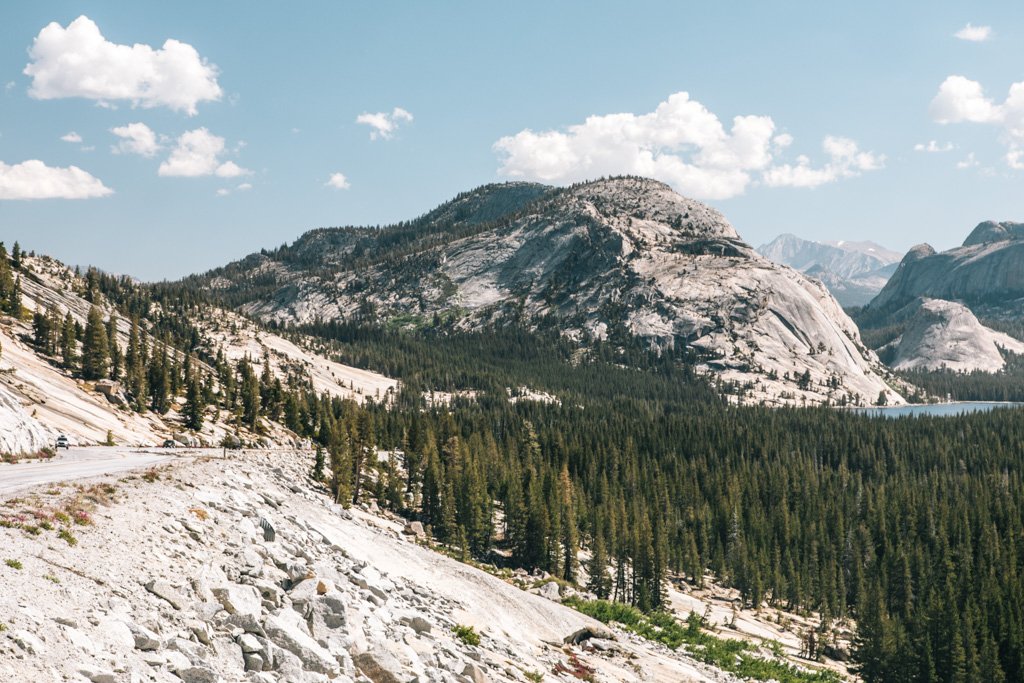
pixel 80 463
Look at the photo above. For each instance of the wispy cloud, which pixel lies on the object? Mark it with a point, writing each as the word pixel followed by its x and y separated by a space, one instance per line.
pixel 974 34
pixel 338 181
pixel 383 124
pixel 933 146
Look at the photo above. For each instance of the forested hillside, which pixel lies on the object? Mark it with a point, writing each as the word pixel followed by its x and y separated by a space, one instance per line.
pixel 910 527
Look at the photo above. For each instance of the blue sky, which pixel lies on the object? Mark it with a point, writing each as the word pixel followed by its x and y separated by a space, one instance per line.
pixel 253 115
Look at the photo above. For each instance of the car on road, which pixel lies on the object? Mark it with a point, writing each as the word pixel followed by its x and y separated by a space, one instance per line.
pixel 170 443
pixel 62 442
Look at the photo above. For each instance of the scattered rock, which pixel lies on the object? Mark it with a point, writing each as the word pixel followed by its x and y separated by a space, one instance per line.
pixel 239 599
pixel 415 529
pixel 198 674
pixel 166 591
pixel 475 673
pixel 201 630
pixel 28 642
pixel 291 638
pixel 550 591
pixel 98 675
pixel 249 643
pixel 379 665
pixel 588 632
pixel 144 639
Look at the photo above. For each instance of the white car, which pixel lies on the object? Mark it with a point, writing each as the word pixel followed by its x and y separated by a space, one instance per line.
pixel 62 442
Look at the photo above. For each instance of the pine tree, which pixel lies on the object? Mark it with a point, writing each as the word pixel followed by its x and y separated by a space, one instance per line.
pixel 115 349
pixel 95 350
pixel 69 342
pixel 570 539
pixel 195 404
pixel 599 582
pixel 14 302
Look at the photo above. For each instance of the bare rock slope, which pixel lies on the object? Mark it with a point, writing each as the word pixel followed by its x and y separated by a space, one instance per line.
pixel 238 570
pixel 947 335
pixel 614 259
pixel 984 274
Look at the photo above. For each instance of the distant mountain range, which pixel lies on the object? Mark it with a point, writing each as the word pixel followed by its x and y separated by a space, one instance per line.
pixel 853 271
pixel 616 260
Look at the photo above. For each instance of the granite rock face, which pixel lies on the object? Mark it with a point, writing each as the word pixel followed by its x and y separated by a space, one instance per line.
pixel 623 257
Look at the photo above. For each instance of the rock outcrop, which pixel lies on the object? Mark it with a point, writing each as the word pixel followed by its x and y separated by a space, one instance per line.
pixel 984 274
pixel 946 335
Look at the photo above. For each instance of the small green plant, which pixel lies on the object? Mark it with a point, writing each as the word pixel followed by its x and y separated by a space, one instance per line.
pixel 13 564
pixel 51 578
pixel 68 537
pixel 466 634
pixel 535 676
pixel 110 439
pixel 3 627
pixel 150 476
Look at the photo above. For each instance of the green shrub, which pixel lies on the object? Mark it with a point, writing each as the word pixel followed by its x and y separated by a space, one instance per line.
pixel 13 564
pixel 735 656
pixel 68 537
pixel 466 634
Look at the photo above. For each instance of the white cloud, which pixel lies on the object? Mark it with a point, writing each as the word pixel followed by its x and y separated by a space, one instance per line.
pixel 71 136
pixel 33 179
pixel 197 153
pixel 338 181
pixel 244 186
pixel 383 124
pixel 680 143
pixel 78 61
pixel 223 192
pixel 9 86
pixel 975 34
pixel 846 160
pixel 961 100
pixel 230 169
pixel 967 162
pixel 933 146
pixel 1015 159
pixel 136 138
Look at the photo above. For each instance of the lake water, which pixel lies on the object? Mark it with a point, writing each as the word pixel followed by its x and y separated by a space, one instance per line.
pixel 938 409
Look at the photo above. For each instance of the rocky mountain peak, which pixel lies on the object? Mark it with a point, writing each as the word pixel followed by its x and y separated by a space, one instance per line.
pixel 993 231
pixel 919 251
pixel 647 205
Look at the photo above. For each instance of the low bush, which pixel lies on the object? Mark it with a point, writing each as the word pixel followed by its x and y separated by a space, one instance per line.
pixel 466 634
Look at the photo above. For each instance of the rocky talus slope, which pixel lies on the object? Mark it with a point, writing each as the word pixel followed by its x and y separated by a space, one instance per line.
pixel 618 259
pixel 177 579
